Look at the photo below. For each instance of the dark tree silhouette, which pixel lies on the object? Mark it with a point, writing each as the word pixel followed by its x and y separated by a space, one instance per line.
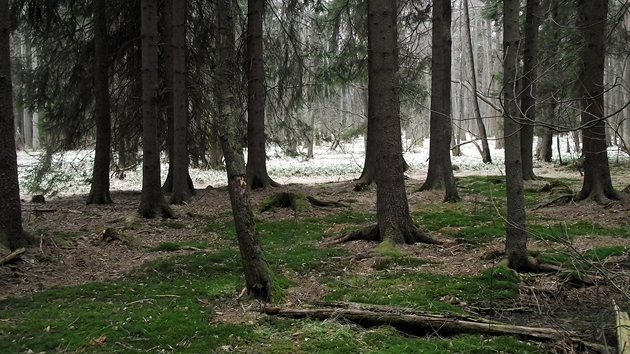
pixel 257 176
pixel 152 200
pixel 11 232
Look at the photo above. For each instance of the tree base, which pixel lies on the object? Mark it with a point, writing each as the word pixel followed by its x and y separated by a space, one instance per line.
pixel 372 233
pixel 99 198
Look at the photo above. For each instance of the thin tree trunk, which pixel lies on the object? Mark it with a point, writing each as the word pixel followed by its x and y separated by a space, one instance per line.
pixel 530 76
pixel 485 149
pixel 167 97
pixel 99 191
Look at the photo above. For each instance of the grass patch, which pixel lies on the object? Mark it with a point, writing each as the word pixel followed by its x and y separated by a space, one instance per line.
pixel 425 291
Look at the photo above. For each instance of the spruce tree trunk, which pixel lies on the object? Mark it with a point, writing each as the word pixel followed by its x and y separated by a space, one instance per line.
pixel 257 176
pixel 183 187
pixel 529 78
pixel 11 232
pixel 151 201
pixel 440 173
pixel 597 183
pixel 99 191
pixel 516 231
pixel 167 96
pixel 394 220
pixel 257 276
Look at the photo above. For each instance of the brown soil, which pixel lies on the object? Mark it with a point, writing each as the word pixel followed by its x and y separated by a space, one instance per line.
pixel 74 246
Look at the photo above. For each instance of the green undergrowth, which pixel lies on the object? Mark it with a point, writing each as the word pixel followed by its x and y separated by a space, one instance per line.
pixel 581 261
pixel 176 246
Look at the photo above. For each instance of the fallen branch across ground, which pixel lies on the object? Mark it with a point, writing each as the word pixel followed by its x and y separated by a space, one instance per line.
pixel 420 324
pixel 11 256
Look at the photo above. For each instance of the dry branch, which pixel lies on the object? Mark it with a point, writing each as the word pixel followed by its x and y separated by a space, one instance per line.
pixel 11 256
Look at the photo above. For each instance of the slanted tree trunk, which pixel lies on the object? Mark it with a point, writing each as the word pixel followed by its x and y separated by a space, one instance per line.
pixel 99 191
pixel 257 176
pixel 485 149
pixel 152 201
pixel 394 220
pixel 257 277
pixel 440 173
pixel 597 183
pixel 11 232
pixel 516 228
pixel 530 75
pixel 183 187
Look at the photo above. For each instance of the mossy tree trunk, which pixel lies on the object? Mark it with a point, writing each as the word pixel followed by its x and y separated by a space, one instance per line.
pixel 152 200
pixel 11 232
pixel 257 276
pixel 99 190
pixel 440 173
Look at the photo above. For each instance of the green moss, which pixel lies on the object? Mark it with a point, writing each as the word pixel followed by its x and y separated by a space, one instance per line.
pixel 388 249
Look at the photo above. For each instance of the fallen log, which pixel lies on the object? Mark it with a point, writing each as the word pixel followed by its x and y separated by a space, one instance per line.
pixel 623 330
pixel 420 324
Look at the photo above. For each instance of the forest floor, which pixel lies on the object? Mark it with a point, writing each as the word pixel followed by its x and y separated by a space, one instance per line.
pixel 78 244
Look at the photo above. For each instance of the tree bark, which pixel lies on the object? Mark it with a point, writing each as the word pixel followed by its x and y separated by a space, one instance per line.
pixel 11 232
pixel 530 75
pixel 183 187
pixel 485 149
pixel 440 172
pixel 152 201
pixel 516 228
pixel 597 183
pixel 257 175
pixel 257 276
pixel 394 220
pixel 99 191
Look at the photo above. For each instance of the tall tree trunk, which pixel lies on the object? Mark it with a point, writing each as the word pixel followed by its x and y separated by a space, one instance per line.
pixel 183 186
pixel 485 149
pixel 151 201
pixel 167 97
pixel 440 173
pixel 257 175
pixel 99 191
pixel 11 232
pixel 592 23
pixel 369 166
pixel 394 220
pixel 546 151
pixel 516 228
pixel 257 277
pixel 530 75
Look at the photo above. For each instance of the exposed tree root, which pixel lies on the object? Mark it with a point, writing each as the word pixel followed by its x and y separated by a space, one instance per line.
pixel 322 203
pixel 563 199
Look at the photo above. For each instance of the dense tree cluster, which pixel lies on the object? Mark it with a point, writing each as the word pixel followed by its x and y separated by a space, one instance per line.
pixel 200 81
